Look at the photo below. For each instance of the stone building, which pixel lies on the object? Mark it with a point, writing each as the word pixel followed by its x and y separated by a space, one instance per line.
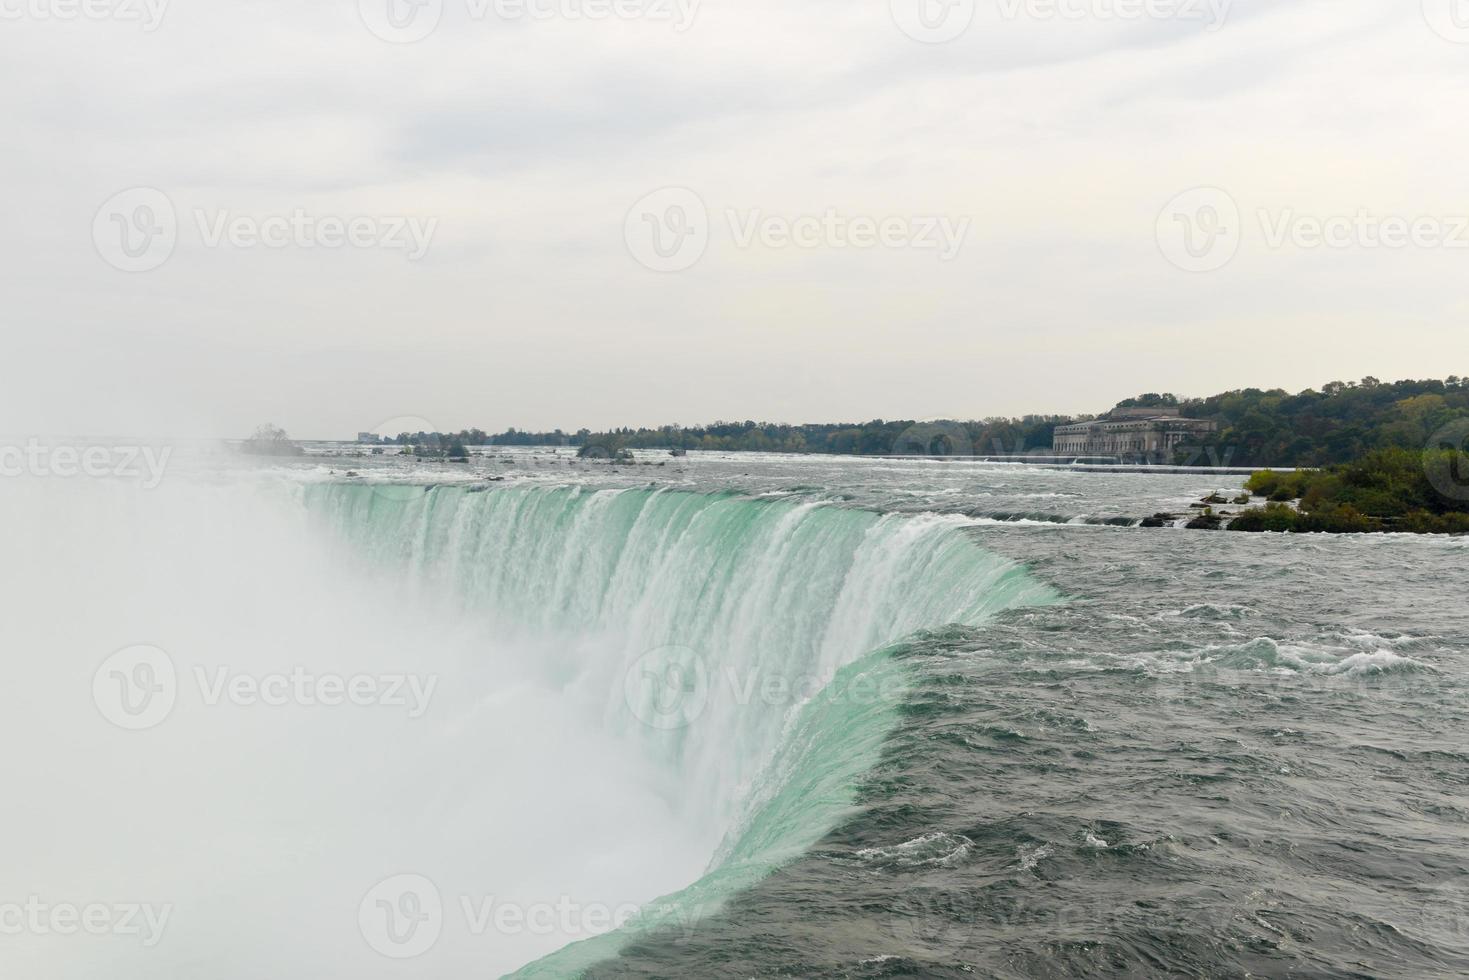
pixel 1134 434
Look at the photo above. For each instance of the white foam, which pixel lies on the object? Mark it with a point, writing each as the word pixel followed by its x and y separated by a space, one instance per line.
pixel 933 849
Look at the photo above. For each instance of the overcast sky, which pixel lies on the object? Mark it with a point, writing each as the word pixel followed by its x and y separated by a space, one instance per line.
pixel 998 221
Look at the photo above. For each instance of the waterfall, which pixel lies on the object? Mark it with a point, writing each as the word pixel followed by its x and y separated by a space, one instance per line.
pixel 740 645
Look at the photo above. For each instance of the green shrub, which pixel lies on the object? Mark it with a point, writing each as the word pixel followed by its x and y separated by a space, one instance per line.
pixel 1377 502
pixel 1422 522
pixel 1337 519
pixel 1279 486
pixel 1325 487
pixel 1263 483
pixel 1271 517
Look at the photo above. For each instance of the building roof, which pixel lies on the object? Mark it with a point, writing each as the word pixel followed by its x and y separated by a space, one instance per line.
pixel 1111 420
pixel 1151 412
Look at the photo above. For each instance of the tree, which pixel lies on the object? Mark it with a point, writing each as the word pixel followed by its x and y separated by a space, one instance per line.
pixel 1151 400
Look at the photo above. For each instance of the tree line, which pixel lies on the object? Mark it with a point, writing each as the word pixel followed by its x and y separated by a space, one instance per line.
pixel 1336 424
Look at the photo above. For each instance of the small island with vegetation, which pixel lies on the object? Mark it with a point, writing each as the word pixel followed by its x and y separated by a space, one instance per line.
pixel 611 447
pixel 1424 492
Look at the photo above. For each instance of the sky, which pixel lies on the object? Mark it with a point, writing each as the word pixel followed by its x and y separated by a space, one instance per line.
pixel 331 214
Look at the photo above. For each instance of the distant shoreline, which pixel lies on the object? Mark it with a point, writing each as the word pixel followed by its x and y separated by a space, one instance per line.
pixel 1245 428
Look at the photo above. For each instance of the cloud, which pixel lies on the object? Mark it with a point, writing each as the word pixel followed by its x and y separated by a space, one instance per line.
pixel 529 140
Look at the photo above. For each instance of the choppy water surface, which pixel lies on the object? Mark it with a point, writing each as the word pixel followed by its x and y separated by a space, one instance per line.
pixel 1220 757
pixel 1220 754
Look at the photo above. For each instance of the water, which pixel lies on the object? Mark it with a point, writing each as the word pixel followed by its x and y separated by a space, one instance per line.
pixel 1219 757
pixel 814 716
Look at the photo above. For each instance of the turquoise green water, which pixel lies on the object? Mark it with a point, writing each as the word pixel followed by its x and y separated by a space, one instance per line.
pixel 742 644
